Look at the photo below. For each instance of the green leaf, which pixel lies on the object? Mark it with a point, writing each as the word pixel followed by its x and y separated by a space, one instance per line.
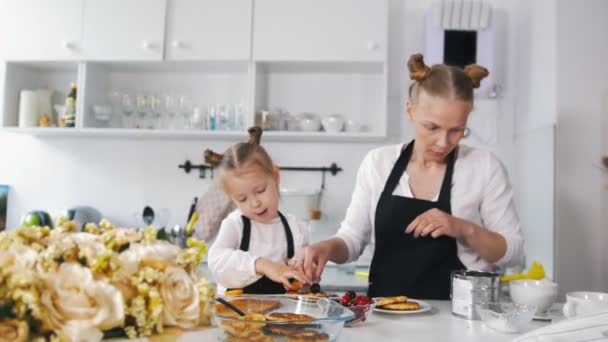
pixel 162 235
pixel 124 247
pixel 114 333
pixel 6 310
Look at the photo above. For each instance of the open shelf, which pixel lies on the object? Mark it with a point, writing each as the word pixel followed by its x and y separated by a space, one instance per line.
pixel 205 84
pixel 53 76
pixel 354 90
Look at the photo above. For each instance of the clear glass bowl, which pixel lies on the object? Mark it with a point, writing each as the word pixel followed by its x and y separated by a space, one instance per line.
pixel 329 318
pixel 361 313
pixel 506 317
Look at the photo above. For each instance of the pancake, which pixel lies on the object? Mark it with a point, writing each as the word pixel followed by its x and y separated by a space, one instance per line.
pixel 248 306
pixel 407 306
pixel 288 316
pixel 381 302
pixel 309 336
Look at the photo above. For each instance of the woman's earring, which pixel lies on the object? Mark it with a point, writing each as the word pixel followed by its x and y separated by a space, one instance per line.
pixel 467 132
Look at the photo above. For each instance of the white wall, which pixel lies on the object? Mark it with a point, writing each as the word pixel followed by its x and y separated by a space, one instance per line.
pixel 121 176
pixel 534 74
pixel 582 87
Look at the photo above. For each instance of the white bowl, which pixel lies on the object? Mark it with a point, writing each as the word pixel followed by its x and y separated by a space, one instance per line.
pixel 333 123
pixel 309 122
pixel 354 126
pixel 541 293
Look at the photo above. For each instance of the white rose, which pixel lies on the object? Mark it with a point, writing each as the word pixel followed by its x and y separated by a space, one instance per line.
pixel 18 257
pixel 77 305
pixel 13 331
pixel 159 255
pixel 180 299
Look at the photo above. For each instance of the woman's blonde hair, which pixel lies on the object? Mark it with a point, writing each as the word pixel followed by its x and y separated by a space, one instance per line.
pixel 444 80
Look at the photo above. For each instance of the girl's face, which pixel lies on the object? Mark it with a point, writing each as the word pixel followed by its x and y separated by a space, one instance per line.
pixel 255 192
pixel 439 124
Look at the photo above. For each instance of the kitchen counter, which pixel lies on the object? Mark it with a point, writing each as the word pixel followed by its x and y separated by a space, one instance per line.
pixel 437 325
pixel 335 278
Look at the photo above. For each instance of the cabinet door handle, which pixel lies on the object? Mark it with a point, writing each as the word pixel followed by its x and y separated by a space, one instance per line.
pixel 372 45
pixel 67 45
pixel 146 45
pixel 177 44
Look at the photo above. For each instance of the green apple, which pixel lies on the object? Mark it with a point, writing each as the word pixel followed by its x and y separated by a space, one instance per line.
pixel 31 220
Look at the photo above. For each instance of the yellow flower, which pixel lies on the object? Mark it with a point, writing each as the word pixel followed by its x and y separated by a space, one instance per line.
pixel 75 303
pixel 180 298
pixel 13 331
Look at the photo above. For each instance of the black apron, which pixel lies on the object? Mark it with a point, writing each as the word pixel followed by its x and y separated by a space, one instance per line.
pixel 264 285
pixel 403 265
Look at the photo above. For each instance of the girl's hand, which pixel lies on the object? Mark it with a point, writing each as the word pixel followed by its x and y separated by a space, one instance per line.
pixel 437 223
pixel 280 273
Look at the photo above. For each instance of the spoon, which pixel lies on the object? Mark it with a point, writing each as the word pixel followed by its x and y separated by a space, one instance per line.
pixel 232 307
pixel 148 215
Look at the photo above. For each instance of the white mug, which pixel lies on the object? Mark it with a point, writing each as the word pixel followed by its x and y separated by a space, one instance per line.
pixel 583 302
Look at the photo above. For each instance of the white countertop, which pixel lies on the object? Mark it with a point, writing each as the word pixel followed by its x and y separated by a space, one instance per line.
pixel 437 325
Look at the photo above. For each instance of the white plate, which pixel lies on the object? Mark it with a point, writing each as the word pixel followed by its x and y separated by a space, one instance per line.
pixel 424 307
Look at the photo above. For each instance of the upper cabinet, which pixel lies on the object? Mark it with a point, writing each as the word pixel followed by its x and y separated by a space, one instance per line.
pixel 124 29
pixel 208 30
pixel 320 30
pixel 40 29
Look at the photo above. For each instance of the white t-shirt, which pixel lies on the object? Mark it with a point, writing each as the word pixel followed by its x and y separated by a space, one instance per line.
pixel 481 193
pixel 233 268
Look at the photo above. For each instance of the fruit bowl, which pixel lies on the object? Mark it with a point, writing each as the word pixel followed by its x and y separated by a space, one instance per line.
pixel 360 305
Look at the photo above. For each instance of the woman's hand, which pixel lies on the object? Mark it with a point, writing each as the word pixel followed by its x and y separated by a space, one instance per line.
pixel 438 223
pixel 280 273
pixel 315 258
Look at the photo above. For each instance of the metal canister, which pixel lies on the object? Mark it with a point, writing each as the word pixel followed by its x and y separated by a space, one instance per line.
pixel 470 288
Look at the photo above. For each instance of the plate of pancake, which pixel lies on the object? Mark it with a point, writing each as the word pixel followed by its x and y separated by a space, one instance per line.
pixel 400 305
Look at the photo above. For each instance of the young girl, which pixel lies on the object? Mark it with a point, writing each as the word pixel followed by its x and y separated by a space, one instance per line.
pixel 256 240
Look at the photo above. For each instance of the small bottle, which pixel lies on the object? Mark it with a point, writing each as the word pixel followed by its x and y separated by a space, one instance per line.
pixel 212 119
pixel 69 116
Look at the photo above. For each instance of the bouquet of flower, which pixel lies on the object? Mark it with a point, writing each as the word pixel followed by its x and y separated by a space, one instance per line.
pixel 62 285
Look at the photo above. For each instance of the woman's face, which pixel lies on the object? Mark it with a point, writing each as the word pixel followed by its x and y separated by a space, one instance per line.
pixel 255 192
pixel 439 124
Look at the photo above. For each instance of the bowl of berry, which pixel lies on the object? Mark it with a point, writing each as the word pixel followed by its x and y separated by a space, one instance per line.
pixel 360 305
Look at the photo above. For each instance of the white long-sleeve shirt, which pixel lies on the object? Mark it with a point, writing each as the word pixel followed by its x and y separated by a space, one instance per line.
pixel 233 268
pixel 481 193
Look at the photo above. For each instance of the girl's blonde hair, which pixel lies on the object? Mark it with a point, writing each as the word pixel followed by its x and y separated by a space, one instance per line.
pixel 241 156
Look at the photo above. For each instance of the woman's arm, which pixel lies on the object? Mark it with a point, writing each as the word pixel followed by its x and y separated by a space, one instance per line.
pixel 355 231
pixel 500 240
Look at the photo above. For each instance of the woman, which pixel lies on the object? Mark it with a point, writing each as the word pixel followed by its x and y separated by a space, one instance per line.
pixel 433 205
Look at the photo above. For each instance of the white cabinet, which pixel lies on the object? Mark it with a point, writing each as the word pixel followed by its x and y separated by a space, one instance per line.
pixel 208 30
pixel 40 29
pixel 320 30
pixel 124 29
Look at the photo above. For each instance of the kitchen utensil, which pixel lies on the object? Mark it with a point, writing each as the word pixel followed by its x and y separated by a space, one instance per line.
pixel 506 317
pixel 585 302
pixel 309 122
pixel 327 323
pixel 102 113
pixel 424 307
pixel 83 215
pixel 28 109
pixel 541 293
pixel 470 288
pixel 191 223
pixel 232 307
pixel 192 208
pixel 333 123
pixel 148 215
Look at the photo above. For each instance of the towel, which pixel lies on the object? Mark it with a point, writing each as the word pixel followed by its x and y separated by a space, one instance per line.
pixel 585 328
